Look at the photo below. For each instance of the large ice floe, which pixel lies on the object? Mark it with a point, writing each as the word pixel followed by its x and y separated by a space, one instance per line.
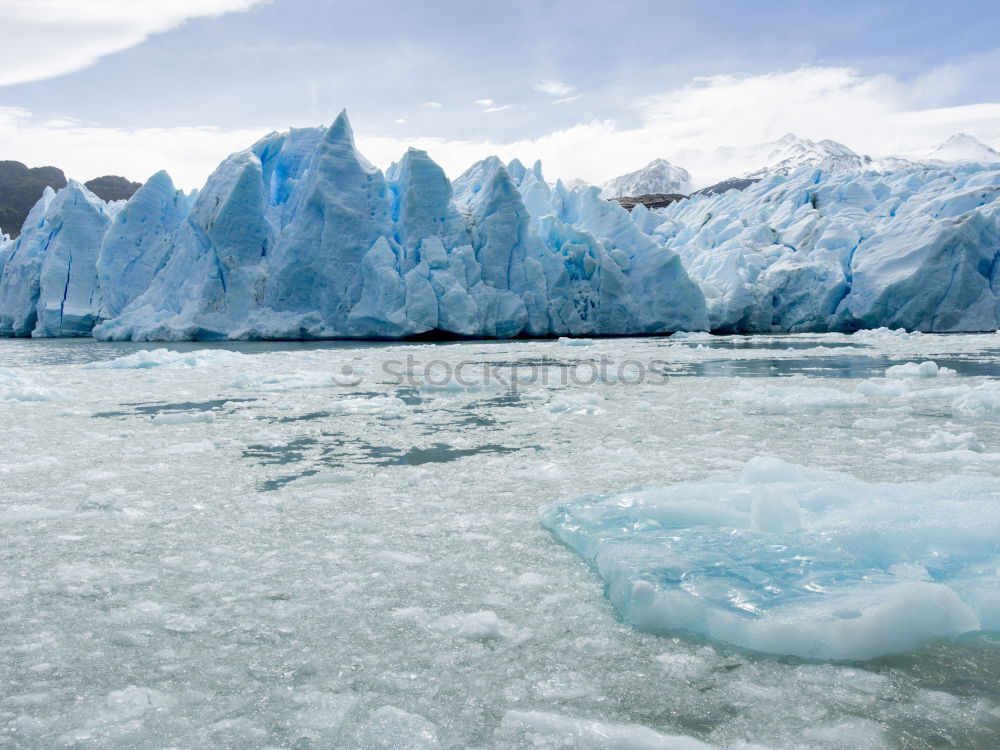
pixel 300 237
pixel 796 561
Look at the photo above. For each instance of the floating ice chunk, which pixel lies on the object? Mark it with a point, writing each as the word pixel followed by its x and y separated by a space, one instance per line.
pixel 883 388
pixel 948 441
pixel 375 405
pixel 785 398
pixel 184 449
pixel 148 359
pixel 282 381
pixel 27 394
pixel 567 341
pixel 27 513
pixel 133 702
pixel 178 622
pixel 881 424
pixel 955 459
pixel 20 387
pixel 76 572
pixel 576 403
pixel 588 734
pixel 481 626
pixel 173 418
pixel 922 370
pixel 983 402
pixel 855 733
pixel 900 334
pixel 692 336
pixel 391 728
pixel 725 559
pixel 319 714
pixel 326 477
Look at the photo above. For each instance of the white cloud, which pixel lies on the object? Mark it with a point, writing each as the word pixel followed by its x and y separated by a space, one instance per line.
pixel 433 105
pixel 46 38
pixel 878 115
pixel 488 105
pixel 554 88
pixel 85 151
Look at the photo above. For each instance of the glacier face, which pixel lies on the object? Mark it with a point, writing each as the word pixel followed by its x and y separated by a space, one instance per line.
pixel 48 282
pixel 300 237
pixel 916 249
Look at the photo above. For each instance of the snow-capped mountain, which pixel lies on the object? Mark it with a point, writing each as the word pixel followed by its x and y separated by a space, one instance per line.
pixel 659 176
pixel 964 148
pixel 791 152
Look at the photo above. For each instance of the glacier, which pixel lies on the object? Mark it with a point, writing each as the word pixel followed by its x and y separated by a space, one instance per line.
pixel 300 237
pixel 48 282
pixel 810 252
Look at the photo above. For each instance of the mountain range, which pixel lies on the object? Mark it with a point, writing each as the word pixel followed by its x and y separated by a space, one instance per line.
pixel 21 186
pixel 785 156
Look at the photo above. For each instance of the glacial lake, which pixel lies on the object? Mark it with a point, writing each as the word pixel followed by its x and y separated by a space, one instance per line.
pixel 298 545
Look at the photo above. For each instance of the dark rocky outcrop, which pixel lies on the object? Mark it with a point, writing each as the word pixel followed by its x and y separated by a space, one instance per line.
pixel 656 200
pixel 20 189
pixel 112 187
pixel 733 183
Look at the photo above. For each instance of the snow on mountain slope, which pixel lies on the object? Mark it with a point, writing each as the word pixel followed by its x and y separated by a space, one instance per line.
pixel 791 152
pixel 964 148
pixel 659 176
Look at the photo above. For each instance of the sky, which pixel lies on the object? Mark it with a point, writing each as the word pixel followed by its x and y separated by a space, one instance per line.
pixel 593 89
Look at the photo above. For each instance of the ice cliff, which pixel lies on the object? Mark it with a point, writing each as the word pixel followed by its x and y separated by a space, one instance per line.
pixel 917 249
pixel 300 237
